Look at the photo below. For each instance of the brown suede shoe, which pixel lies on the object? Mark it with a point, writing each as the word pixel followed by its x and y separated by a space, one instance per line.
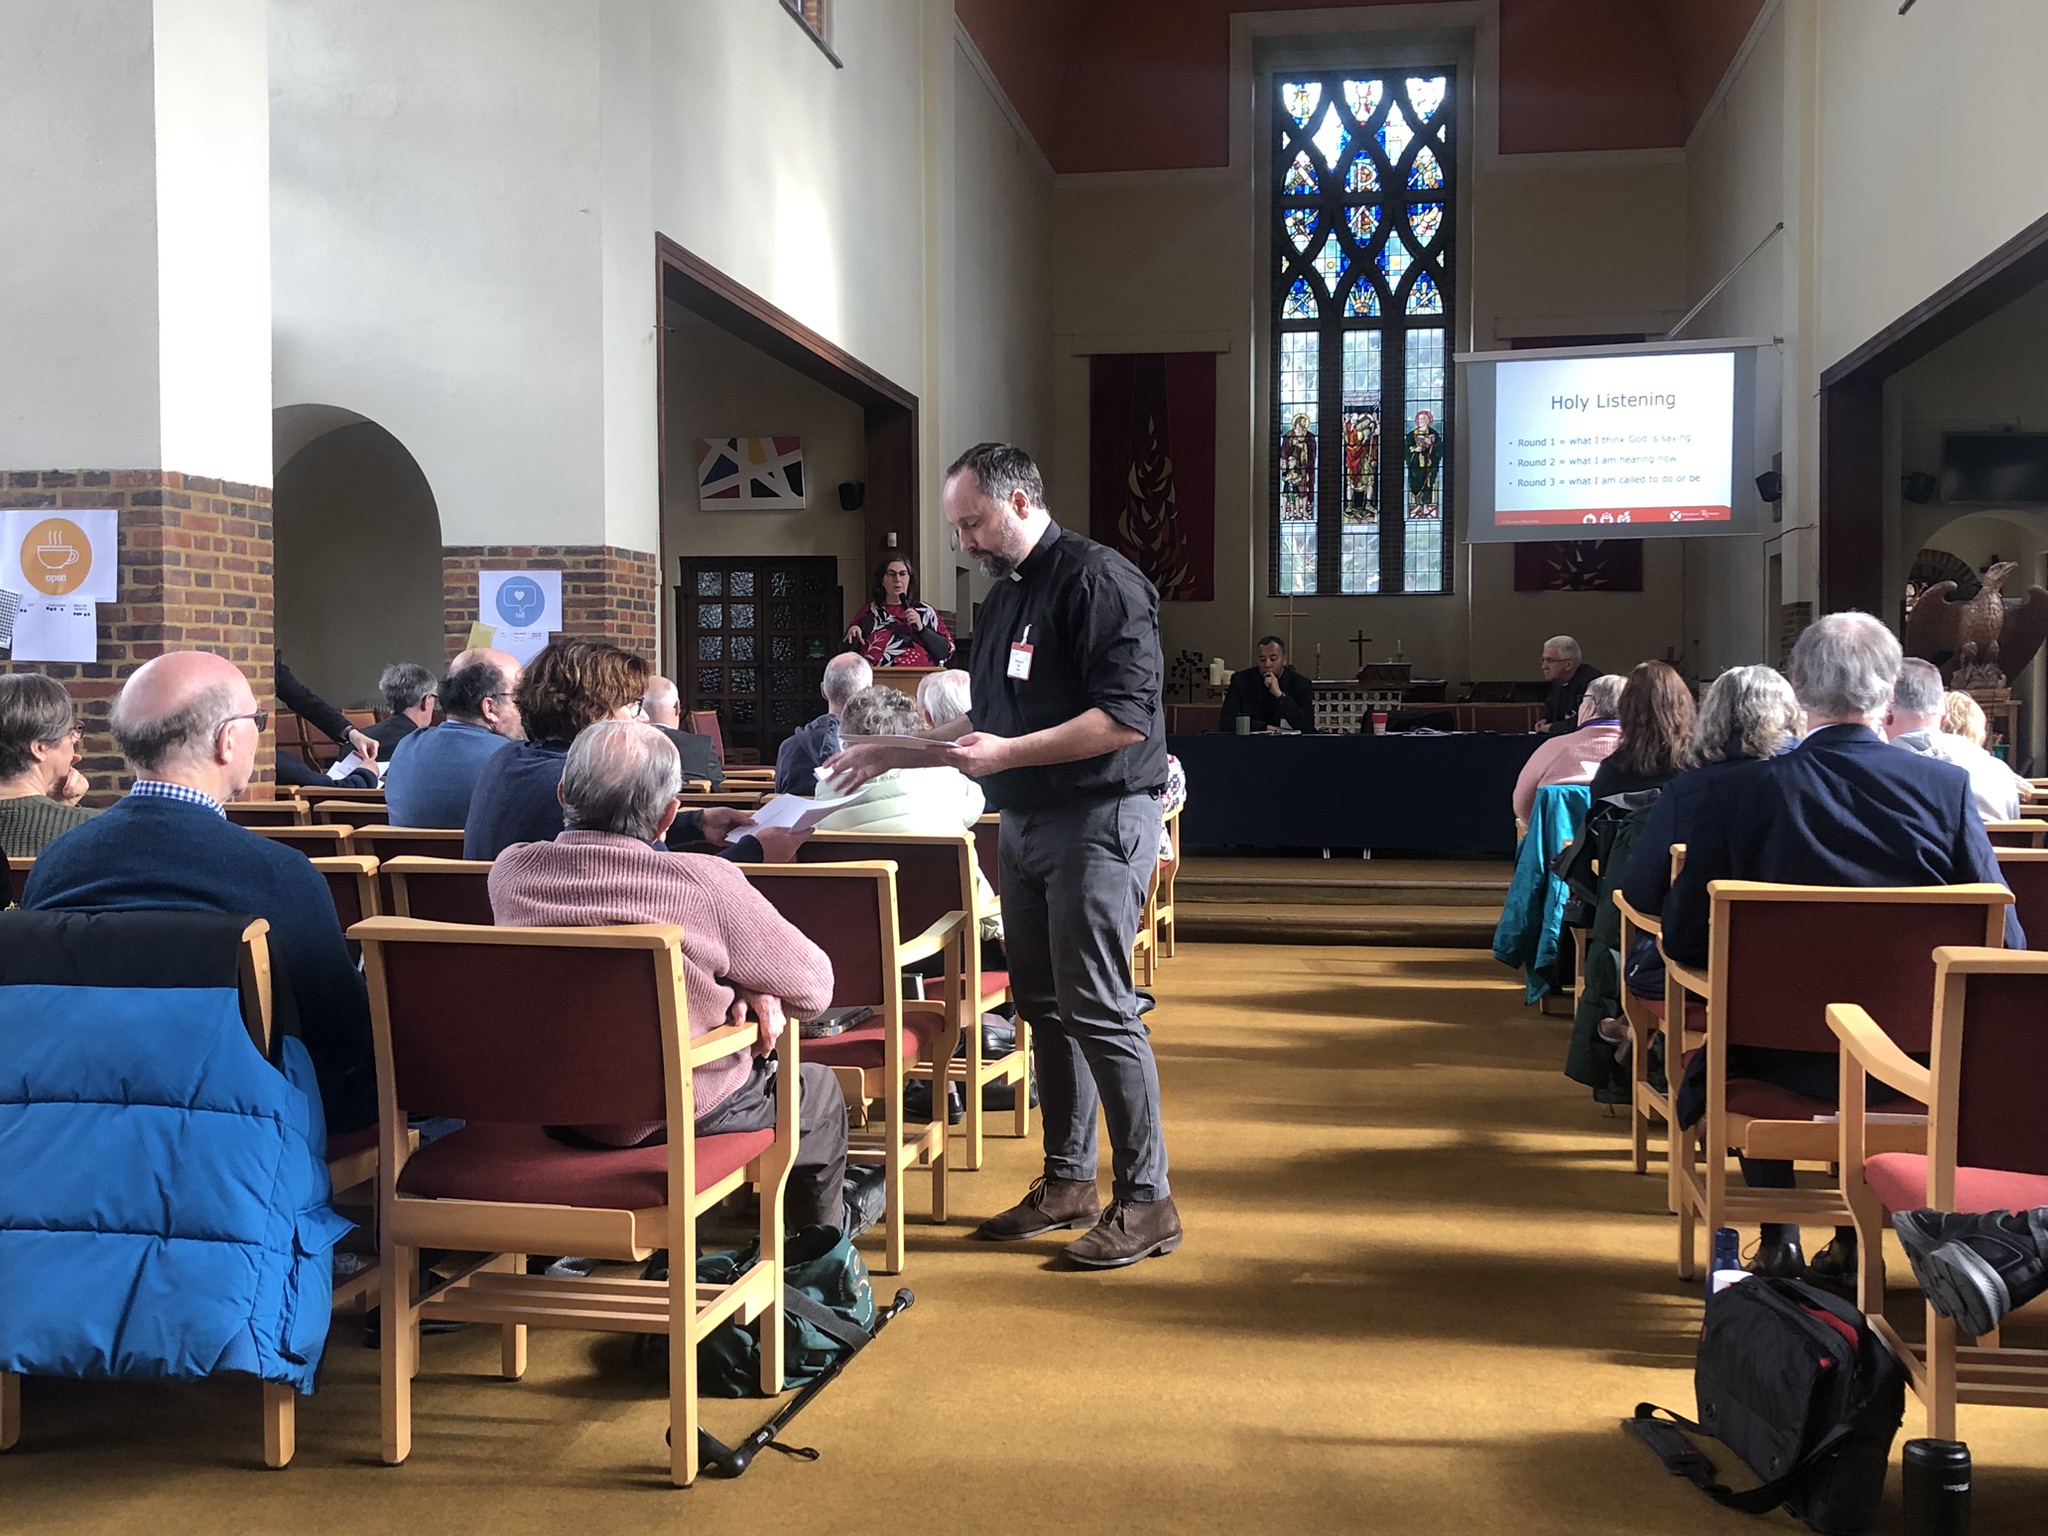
pixel 1051 1206
pixel 1130 1230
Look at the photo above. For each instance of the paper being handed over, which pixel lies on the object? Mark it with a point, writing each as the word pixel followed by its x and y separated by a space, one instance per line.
pixel 796 811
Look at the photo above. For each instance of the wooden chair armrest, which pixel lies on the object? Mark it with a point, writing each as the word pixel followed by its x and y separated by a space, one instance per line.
pixel 1637 920
pixel 1693 981
pixel 933 940
pixel 726 1040
pixel 1875 1051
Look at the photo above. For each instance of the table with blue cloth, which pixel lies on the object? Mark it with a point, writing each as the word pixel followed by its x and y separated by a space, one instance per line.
pixel 1452 794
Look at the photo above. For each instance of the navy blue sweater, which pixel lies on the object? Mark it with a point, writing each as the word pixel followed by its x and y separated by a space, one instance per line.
pixel 150 852
pixel 516 800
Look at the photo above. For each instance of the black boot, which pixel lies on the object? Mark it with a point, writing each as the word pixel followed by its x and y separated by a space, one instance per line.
pixel 1778 1253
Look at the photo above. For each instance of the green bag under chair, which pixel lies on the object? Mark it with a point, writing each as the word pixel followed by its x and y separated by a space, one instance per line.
pixel 828 1310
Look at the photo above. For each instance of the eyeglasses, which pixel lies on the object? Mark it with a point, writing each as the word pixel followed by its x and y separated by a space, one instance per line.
pixel 260 716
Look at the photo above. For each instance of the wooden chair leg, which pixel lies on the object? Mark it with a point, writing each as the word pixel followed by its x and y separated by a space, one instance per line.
pixel 1686 1248
pixel 10 1410
pixel 971 1087
pixel 280 1424
pixel 1941 1377
pixel 682 1373
pixel 773 1326
pixel 512 1336
pixel 892 1219
pixel 399 1349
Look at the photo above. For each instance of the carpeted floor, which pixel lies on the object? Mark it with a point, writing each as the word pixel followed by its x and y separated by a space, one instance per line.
pixel 1419 1290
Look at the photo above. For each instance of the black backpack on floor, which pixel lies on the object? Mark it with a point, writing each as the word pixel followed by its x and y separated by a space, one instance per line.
pixel 1793 1380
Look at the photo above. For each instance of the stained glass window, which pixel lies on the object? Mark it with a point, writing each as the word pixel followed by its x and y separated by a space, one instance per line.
pixel 1364 237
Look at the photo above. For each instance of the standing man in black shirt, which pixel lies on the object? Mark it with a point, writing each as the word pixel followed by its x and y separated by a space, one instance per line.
pixel 1066 735
pixel 1271 693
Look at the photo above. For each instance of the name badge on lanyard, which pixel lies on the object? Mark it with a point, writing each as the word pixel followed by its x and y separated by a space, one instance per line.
pixel 1020 657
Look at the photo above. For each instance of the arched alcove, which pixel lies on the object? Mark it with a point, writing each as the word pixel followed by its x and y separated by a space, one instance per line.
pixel 2021 536
pixel 358 553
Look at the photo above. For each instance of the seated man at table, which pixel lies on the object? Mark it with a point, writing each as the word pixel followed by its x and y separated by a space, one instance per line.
pixel 608 866
pixel 188 724
pixel 1574 759
pixel 1272 693
pixel 1569 676
pixel 1842 808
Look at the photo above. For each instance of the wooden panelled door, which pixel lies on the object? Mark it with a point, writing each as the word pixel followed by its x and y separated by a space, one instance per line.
pixel 756 634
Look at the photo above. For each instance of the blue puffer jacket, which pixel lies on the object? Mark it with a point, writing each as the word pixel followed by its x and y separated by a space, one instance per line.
pixel 1526 937
pixel 163 1189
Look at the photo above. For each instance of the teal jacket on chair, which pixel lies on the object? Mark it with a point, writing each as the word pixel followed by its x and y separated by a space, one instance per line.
pixel 1531 917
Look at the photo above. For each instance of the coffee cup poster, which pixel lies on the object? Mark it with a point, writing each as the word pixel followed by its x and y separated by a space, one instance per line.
pixel 61 564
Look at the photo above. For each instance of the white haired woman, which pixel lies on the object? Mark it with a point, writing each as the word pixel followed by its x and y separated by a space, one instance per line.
pixel 1748 713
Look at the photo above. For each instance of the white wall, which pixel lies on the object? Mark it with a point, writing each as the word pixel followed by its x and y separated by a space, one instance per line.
pixel 435 232
pixel 213 268
pixel 134 311
pixel 719 386
pixel 1931 129
pixel 999 332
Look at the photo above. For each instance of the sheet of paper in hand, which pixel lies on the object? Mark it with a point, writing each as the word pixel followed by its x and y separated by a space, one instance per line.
pixel 797 811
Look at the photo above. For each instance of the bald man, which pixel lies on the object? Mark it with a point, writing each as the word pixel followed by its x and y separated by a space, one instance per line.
pixel 433 772
pixel 189 726
pixel 796 764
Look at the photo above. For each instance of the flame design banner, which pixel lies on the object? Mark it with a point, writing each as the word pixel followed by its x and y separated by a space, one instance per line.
pixel 1152 466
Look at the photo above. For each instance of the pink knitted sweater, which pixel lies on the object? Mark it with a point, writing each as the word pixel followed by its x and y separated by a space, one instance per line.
pixel 733 938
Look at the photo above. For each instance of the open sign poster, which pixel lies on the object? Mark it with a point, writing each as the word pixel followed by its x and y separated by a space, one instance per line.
pixel 71 555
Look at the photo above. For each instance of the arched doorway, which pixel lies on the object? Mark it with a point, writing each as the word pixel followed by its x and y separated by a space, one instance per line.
pixel 358 553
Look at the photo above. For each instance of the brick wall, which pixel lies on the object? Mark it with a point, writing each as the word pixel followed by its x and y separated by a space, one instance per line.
pixel 608 593
pixel 195 575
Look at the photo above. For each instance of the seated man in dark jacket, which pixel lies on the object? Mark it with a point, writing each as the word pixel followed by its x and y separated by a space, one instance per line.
pixel 1842 808
pixel 1272 693
pixel 188 724
pixel 1569 674
pixel 661 706
pixel 796 763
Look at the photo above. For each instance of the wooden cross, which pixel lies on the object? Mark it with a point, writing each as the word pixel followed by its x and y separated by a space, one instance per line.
pixel 1290 614
pixel 1361 640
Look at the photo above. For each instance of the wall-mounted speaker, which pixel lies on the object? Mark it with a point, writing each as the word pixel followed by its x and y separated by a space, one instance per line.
pixel 853 495
pixel 1918 488
pixel 1771 486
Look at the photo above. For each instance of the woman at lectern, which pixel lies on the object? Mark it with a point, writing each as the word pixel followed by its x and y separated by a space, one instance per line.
pixel 895 629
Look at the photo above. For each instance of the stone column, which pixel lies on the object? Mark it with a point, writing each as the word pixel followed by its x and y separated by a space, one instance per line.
pixel 135 321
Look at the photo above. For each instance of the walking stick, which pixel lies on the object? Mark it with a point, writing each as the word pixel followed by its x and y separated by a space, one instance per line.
pixel 718 1460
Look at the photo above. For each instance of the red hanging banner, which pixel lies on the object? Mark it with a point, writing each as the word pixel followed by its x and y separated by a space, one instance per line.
pixel 1152 466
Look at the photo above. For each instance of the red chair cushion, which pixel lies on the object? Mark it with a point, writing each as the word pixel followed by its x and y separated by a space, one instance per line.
pixel 864 1046
pixel 339 1147
pixel 524 1165
pixel 1767 1101
pixel 994 983
pixel 1900 1181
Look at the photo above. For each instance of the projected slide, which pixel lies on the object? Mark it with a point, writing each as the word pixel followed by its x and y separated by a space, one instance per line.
pixel 1631 439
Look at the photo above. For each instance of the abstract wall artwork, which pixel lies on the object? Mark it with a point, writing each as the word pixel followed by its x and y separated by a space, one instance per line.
pixel 750 474
pixel 1152 466
pixel 1580 565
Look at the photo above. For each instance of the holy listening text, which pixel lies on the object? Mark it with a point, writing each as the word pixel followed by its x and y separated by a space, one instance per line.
pixel 1612 402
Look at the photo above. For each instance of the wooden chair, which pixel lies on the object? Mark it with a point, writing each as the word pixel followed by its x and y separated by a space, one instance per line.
pixel 352 883
pixel 440 890
pixel 849 911
pixel 935 883
pixel 385 842
pixel 513 1029
pixel 1162 913
pixel 2026 871
pixel 365 806
pixel 316 792
pixel 314 842
pixel 288 811
pixel 1987 1150
pixel 1145 942
pixel 344 1166
pixel 704 722
pixel 1778 956
pixel 1648 1022
pixel 739 800
pixel 2027 832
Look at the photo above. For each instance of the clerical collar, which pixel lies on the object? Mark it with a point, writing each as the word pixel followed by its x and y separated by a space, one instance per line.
pixel 1045 541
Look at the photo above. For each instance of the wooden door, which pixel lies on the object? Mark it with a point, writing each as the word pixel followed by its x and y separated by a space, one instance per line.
pixel 756 633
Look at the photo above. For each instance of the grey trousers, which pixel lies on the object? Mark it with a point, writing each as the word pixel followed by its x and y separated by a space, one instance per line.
pixel 816 1194
pixel 1074 879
